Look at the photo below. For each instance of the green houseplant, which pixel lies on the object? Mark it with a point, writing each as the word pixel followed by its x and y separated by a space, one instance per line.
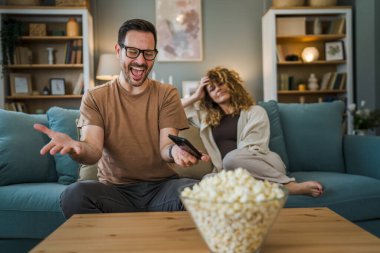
pixel 11 31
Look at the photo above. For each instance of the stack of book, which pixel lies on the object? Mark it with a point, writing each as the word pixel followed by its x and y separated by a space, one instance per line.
pixel 73 52
pixel 334 81
pixel 22 55
pixel 15 106
pixel 337 26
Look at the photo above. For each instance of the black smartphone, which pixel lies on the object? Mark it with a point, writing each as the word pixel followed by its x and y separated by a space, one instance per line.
pixel 184 144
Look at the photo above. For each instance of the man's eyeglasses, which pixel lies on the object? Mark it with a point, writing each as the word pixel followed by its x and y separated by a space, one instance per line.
pixel 133 53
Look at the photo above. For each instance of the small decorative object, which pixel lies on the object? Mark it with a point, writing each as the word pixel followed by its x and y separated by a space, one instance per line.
pixel 46 91
pixel 292 57
pixel 317 27
pixel 310 54
pixel 50 55
pixel 364 119
pixel 35 92
pixel 321 3
pixel 334 51
pixel 153 75
pixel 313 82
pixel 72 27
pixel 37 29
pixel 188 88
pixel 21 84
pixel 57 86
pixel 301 87
pixel 287 3
pixel 170 81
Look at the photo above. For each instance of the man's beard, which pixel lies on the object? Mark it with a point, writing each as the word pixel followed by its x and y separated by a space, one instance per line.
pixel 129 78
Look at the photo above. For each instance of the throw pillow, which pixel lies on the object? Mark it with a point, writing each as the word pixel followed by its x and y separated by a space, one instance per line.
pixel 63 120
pixel 313 136
pixel 20 145
pixel 277 141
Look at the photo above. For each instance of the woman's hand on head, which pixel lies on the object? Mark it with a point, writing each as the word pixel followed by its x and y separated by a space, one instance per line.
pixel 200 91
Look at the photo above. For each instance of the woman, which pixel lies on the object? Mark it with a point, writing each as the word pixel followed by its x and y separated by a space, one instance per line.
pixel 235 132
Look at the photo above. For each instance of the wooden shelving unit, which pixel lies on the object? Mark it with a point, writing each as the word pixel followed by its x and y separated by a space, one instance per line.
pixel 289 43
pixel 39 69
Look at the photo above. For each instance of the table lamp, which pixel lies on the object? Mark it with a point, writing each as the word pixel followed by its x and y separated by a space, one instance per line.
pixel 310 54
pixel 108 67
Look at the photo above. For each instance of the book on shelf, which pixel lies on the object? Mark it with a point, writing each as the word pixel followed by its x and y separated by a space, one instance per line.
pixel 284 82
pixel 325 80
pixel 78 89
pixel 73 52
pixel 280 53
pixel 15 106
pixel 337 26
pixel 330 85
pixel 22 55
pixel 343 82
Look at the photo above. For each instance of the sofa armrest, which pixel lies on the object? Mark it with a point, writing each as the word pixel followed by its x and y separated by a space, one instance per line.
pixel 361 155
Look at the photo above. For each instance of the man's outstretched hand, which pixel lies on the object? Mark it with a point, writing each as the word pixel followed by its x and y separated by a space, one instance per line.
pixel 60 143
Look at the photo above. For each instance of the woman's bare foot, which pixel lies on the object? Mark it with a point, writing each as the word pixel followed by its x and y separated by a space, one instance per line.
pixel 312 188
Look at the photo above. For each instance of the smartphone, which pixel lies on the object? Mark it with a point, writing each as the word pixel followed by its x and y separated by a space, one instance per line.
pixel 184 144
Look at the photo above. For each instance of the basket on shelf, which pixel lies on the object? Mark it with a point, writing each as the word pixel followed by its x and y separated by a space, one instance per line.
pixel 71 2
pixel 24 2
pixel 287 3
pixel 321 3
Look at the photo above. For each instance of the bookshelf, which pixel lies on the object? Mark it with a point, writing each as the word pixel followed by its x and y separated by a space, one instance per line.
pixel 283 67
pixel 72 58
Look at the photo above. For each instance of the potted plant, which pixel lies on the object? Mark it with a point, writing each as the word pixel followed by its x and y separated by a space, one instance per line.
pixel 11 31
pixel 364 118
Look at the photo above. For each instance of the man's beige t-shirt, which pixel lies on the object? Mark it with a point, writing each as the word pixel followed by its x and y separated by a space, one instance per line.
pixel 132 124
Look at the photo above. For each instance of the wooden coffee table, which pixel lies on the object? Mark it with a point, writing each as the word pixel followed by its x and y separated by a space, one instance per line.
pixel 295 230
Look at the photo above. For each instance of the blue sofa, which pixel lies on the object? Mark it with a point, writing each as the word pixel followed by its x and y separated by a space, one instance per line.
pixel 307 137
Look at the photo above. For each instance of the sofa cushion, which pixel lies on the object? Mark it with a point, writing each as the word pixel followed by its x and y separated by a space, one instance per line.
pixel 20 145
pixel 63 120
pixel 30 210
pixel 352 196
pixel 276 142
pixel 313 132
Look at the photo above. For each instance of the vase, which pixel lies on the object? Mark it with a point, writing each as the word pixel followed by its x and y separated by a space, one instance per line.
pixel 72 27
pixel 313 84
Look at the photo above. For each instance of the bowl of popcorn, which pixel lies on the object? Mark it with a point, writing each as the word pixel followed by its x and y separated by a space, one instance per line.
pixel 233 211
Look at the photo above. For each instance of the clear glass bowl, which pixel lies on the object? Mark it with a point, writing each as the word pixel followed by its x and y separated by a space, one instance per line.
pixel 234 227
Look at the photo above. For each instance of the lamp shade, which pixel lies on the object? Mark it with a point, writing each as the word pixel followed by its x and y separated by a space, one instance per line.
pixel 310 54
pixel 108 67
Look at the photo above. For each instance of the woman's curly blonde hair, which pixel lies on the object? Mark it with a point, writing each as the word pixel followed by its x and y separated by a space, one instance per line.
pixel 240 98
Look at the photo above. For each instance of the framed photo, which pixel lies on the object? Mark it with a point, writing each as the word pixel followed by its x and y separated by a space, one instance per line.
pixel 334 51
pixel 21 84
pixel 57 86
pixel 179 30
pixel 189 87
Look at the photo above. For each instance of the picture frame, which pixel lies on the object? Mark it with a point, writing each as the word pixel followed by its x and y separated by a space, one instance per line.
pixel 334 51
pixel 189 87
pixel 21 84
pixel 179 30
pixel 57 86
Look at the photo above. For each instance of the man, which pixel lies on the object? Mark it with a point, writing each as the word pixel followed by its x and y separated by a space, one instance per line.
pixel 125 125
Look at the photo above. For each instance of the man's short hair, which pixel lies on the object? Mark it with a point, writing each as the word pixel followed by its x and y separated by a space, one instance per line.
pixel 136 25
